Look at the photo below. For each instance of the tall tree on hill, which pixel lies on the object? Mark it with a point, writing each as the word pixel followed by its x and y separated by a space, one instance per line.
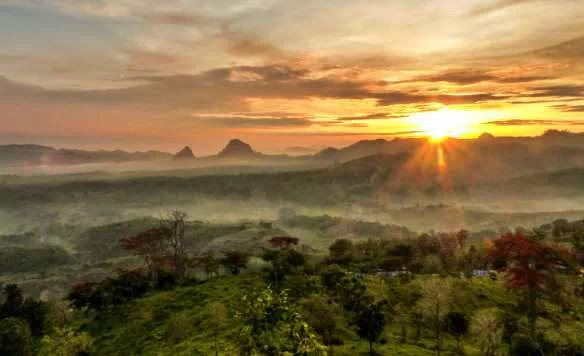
pixel 217 319
pixel 150 245
pixel 530 267
pixel 370 323
pixel 458 325
pixel 174 226
pixel 435 303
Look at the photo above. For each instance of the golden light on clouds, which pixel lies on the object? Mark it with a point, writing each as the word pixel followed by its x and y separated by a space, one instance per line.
pixel 444 123
pixel 228 68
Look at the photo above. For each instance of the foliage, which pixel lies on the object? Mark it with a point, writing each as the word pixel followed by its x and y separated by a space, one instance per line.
pixel 486 327
pixel 110 293
pixel 435 303
pixel 457 324
pixel 15 338
pixel 271 326
pixel 151 246
pixel 341 252
pixel 370 323
pixel 66 342
pixel 322 314
pixel 217 319
pixel 234 261
pixel 530 266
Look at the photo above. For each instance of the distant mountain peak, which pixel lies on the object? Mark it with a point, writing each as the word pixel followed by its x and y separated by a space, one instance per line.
pixel 185 153
pixel 237 149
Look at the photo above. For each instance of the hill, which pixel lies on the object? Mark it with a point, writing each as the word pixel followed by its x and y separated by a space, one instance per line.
pixel 184 154
pixel 15 155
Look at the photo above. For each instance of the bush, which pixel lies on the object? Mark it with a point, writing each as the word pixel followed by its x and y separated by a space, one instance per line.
pixel 15 338
pixel 523 346
pixel 180 327
pixel 65 342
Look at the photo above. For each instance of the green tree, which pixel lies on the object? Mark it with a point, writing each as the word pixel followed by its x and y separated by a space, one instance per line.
pixel 15 337
pixel 36 314
pixel 13 300
pixel 458 325
pixel 217 319
pixel 66 342
pixel 486 327
pixel 435 303
pixel 341 252
pixel 234 261
pixel 272 326
pixel 370 323
pixel 322 315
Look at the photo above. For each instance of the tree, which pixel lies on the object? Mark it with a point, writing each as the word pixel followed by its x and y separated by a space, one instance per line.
pixel 332 277
pixel 66 342
pixel 15 337
pixel 486 327
pixel 435 300
pixel 510 327
pixel 370 323
pixel 530 267
pixel 174 226
pixel 217 319
pixel 86 295
pixel 271 326
pixel 457 324
pixel 322 315
pixel 151 246
pixel 283 261
pixel 403 298
pixel 208 262
pixel 462 237
pixel 283 242
pixel 341 252
pixel 36 314
pixel 234 261
pixel 13 300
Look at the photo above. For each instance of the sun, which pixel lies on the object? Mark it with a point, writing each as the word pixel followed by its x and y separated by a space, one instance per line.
pixel 442 123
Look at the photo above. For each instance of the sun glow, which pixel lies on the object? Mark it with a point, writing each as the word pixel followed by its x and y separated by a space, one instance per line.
pixel 443 123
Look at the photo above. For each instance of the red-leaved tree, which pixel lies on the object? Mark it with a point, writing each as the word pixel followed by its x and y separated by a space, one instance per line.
pixel 530 267
pixel 151 246
pixel 283 242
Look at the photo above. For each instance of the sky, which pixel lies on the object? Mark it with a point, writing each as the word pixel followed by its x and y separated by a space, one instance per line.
pixel 145 74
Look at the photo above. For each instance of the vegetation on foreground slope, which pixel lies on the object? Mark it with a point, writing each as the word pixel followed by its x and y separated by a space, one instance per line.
pixel 425 294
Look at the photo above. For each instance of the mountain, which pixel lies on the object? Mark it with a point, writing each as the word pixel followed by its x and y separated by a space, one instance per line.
pixel 300 151
pixel 184 154
pixel 237 149
pixel 550 144
pixel 34 155
pixel 366 148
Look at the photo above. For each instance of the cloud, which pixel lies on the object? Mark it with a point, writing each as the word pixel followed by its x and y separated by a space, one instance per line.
pixel 396 98
pixel 495 5
pixel 362 134
pixel 519 122
pixel 247 122
pixel 459 76
pixel 472 76
pixel 229 88
pixel 374 116
pixel 566 90
pixel 572 49
pixel 176 18
pixel 569 108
